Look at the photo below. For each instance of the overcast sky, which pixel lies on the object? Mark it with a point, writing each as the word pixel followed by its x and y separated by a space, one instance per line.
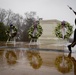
pixel 46 9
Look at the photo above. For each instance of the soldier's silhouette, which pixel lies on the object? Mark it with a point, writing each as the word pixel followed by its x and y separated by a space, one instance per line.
pixel 74 39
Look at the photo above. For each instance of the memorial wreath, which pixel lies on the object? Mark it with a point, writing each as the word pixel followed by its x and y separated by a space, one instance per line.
pixel 11 31
pixel 69 31
pixel 37 34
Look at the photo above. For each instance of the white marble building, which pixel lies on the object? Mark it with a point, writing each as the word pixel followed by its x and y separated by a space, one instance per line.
pixel 48 30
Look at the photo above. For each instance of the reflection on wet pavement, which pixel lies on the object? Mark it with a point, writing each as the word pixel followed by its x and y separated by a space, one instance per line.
pixel 36 62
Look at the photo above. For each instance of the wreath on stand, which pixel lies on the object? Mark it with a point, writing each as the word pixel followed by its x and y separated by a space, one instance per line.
pixel 11 32
pixel 38 32
pixel 68 27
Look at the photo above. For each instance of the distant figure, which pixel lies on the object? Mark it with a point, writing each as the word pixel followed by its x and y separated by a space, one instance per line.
pixel 74 62
pixel 74 39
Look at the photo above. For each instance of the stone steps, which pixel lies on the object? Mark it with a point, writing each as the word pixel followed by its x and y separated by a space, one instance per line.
pixel 52 41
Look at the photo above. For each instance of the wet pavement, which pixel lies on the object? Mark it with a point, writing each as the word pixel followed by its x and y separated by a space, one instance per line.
pixel 42 59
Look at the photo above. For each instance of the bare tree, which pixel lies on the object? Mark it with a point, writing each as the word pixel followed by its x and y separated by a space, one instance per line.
pixel 3 15
pixel 28 22
pixel 9 18
pixel 18 21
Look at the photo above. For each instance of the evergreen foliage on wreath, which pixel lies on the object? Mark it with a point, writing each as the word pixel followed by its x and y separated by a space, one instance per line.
pixel 11 31
pixel 31 30
pixel 68 32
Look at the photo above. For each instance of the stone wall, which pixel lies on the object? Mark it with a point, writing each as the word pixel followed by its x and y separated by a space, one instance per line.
pixel 48 28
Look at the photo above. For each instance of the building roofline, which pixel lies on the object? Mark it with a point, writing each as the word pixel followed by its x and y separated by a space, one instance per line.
pixel 49 21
